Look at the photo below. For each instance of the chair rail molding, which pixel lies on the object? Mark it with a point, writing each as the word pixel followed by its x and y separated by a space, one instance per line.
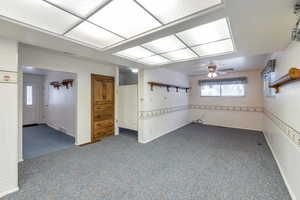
pixel 289 131
pixel 228 108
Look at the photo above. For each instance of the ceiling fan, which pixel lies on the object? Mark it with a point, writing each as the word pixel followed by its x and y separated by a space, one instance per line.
pixel 212 70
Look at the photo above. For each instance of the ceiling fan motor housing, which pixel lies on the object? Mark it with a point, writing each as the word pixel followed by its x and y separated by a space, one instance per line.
pixel 212 68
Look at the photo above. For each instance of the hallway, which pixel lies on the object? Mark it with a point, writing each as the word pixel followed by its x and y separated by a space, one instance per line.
pixel 42 139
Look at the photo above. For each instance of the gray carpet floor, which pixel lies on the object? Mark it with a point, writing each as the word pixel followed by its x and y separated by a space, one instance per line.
pixel 192 163
pixel 42 139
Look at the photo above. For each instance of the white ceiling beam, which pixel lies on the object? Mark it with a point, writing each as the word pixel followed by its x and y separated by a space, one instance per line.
pixel 204 17
pixel 37 37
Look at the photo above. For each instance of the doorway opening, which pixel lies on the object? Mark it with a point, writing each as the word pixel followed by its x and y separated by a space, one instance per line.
pixel 49 111
pixel 128 102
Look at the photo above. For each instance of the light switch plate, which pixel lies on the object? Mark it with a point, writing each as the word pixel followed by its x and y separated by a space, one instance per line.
pixel 8 77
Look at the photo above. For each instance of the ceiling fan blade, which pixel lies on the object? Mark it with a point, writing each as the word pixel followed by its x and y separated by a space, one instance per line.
pixel 221 72
pixel 203 65
pixel 199 73
pixel 226 70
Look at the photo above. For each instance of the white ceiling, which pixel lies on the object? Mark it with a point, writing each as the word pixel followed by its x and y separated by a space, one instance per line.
pixel 43 72
pixel 242 63
pixel 257 27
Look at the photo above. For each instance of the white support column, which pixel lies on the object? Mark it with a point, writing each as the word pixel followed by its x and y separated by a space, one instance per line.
pixel 8 116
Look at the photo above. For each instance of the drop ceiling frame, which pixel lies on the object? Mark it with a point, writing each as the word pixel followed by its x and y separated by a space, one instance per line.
pixel 111 48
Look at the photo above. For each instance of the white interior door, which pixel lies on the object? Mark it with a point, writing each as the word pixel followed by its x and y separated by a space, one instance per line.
pixel 31 103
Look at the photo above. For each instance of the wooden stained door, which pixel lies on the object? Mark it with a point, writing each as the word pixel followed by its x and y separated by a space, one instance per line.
pixel 102 107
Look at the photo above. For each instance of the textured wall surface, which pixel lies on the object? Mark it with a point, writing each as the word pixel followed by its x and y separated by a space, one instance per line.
pixel 128 107
pixel 52 60
pixel 8 120
pixel 235 112
pixel 60 105
pixel 282 122
pixel 159 100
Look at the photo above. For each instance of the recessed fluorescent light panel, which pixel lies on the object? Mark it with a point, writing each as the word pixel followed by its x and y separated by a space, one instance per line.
pixel 81 8
pixel 124 17
pixel 39 14
pixel 180 55
pixel 165 44
pixel 93 35
pixel 170 10
pixel 154 60
pixel 104 23
pixel 206 33
pixel 209 39
pixel 135 53
pixel 214 48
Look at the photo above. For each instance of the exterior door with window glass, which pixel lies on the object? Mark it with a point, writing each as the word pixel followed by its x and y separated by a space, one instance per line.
pixel 30 104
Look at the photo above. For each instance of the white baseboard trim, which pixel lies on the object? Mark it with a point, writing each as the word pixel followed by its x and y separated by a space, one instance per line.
pixel 292 194
pixel 82 143
pixel 2 194
pixel 21 160
pixel 144 142
pixel 236 127
pixel 58 129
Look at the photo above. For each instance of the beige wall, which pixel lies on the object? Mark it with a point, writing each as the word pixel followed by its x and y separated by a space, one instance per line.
pixel 282 121
pixel 59 106
pixel 160 111
pixel 128 107
pixel 56 61
pixel 248 109
pixel 8 119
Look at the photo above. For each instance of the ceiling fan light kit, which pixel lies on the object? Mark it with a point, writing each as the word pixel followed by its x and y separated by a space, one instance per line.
pixel 212 74
pixel 212 70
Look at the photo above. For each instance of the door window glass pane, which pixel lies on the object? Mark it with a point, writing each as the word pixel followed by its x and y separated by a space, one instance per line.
pixel 29 95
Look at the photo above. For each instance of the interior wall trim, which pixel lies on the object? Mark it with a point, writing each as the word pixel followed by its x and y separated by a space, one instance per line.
pixel 2 194
pixel 162 111
pixel 288 130
pixel 228 108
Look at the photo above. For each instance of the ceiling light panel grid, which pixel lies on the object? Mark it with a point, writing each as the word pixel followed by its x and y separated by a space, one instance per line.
pixel 214 48
pixel 154 60
pixel 135 53
pixel 82 8
pixel 93 35
pixel 210 32
pixel 180 55
pixel 117 20
pixel 124 17
pixel 171 10
pixel 165 44
pixel 39 14
pixel 205 40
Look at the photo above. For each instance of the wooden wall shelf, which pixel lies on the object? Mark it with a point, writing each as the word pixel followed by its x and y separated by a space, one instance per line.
pixel 293 74
pixel 56 84
pixel 67 83
pixel 168 86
